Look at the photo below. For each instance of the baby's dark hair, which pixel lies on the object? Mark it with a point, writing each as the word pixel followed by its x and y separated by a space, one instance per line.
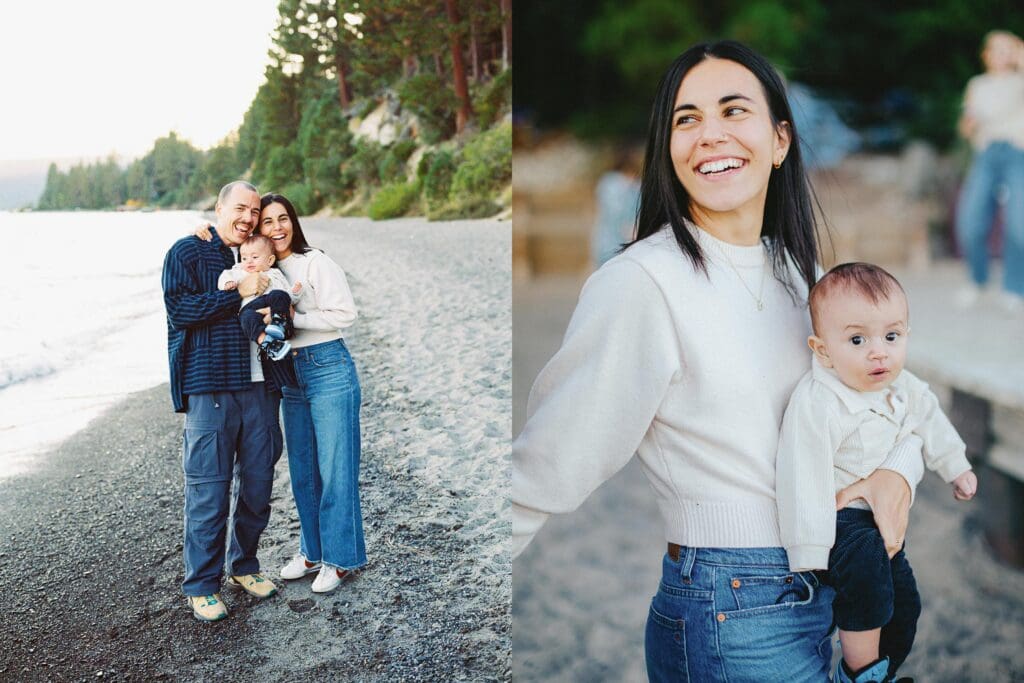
pixel 256 239
pixel 870 281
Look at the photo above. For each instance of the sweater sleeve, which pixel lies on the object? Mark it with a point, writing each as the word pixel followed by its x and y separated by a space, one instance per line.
pixel 944 451
pixel 235 275
pixel 594 401
pixel 278 281
pixel 804 477
pixel 905 460
pixel 333 306
pixel 187 305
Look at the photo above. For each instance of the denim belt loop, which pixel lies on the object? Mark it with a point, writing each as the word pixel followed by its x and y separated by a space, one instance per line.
pixel 687 556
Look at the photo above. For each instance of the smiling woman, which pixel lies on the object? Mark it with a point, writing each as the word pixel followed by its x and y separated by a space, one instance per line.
pixel 684 349
pixel 723 149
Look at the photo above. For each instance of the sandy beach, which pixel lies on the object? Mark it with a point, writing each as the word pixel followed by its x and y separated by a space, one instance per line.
pixel 582 588
pixel 90 555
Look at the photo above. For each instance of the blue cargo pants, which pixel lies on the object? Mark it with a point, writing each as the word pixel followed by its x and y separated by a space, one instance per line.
pixel 229 436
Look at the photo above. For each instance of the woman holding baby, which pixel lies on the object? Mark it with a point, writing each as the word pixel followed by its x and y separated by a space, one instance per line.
pixel 684 350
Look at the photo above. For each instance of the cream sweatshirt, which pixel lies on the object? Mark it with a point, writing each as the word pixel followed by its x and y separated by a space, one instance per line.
pixel 325 305
pixel 684 371
pixel 996 102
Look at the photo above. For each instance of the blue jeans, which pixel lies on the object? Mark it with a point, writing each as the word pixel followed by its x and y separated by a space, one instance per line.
pixel 228 435
pixel 321 424
pixel 873 591
pixel 1000 165
pixel 738 614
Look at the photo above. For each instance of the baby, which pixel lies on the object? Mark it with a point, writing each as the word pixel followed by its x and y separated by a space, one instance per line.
pixel 257 256
pixel 844 417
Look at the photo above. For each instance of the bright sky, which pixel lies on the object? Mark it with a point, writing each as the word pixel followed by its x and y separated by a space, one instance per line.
pixel 84 79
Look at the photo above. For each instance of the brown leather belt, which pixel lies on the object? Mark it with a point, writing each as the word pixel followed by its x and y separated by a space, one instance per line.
pixel 673 551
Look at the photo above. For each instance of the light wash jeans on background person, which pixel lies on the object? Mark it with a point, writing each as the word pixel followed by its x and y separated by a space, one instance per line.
pixel 997 168
pixel 738 614
pixel 228 435
pixel 321 425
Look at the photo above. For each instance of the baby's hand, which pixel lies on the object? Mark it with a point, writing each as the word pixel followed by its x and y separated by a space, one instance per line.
pixel 203 232
pixel 297 288
pixel 229 285
pixel 965 486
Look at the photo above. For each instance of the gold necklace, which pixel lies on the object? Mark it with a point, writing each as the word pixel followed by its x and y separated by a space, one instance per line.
pixel 759 297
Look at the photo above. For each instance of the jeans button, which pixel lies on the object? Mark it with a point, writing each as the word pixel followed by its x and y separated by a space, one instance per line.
pixel 735 583
pixel 720 617
pixel 687 580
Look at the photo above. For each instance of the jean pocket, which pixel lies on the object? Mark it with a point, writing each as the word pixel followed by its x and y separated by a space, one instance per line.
pixel 760 593
pixel 665 647
pixel 327 355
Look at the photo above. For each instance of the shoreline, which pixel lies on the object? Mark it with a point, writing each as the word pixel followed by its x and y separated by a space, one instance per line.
pixel 92 561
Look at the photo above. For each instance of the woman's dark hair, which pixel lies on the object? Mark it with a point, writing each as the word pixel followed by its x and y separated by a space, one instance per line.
pixel 299 243
pixel 789 220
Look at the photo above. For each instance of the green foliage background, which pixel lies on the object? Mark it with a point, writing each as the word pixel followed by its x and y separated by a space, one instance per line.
pixel 894 63
pixel 326 71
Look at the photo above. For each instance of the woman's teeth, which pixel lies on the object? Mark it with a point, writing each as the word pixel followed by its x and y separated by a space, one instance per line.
pixel 719 165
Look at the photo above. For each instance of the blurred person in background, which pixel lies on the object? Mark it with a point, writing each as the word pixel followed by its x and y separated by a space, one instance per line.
pixel 993 122
pixel 618 195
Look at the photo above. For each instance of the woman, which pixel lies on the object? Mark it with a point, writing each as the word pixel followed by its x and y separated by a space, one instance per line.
pixel 320 405
pixel 684 350
pixel 993 122
pixel 321 410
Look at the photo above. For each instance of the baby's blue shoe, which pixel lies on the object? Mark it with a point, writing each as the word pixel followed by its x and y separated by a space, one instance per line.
pixel 274 349
pixel 279 327
pixel 274 331
pixel 875 672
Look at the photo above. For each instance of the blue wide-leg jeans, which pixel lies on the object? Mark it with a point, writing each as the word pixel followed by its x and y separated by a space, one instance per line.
pixel 321 424
pixel 999 167
pixel 738 614
pixel 229 435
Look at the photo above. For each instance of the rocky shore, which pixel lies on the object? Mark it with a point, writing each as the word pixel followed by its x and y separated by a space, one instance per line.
pixel 90 549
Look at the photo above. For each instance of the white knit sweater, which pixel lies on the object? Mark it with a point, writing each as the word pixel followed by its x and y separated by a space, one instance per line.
pixel 325 305
pixel 683 370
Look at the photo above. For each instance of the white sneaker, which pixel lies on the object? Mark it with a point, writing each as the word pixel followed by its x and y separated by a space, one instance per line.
pixel 1011 303
pixel 328 579
pixel 967 296
pixel 297 568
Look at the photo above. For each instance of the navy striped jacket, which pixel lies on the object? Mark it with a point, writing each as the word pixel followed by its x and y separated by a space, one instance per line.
pixel 205 344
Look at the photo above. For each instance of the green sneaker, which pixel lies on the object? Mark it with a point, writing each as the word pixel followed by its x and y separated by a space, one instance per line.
pixel 208 607
pixel 255 585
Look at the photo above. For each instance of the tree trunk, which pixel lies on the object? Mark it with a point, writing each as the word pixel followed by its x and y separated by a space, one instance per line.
pixel 344 90
pixel 458 67
pixel 438 65
pixel 506 34
pixel 474 52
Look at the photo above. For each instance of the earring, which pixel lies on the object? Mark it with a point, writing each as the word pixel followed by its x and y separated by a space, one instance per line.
pixel 777 164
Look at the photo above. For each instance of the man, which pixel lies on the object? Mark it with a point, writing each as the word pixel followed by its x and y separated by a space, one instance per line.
pixel 231 426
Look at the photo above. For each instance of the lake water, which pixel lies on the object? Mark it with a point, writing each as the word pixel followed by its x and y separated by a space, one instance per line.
pixel 83 322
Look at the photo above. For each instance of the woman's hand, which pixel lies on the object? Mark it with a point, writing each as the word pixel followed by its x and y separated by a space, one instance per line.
pixel 888 494
pixel 204 231
pixel 966 126
pixel 254 284
pixel 265 312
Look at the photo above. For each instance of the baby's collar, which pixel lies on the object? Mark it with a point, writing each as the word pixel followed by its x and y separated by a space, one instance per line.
pixel 855 401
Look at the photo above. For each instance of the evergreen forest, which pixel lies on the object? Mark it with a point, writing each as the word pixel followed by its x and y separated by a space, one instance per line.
pixel 383 108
